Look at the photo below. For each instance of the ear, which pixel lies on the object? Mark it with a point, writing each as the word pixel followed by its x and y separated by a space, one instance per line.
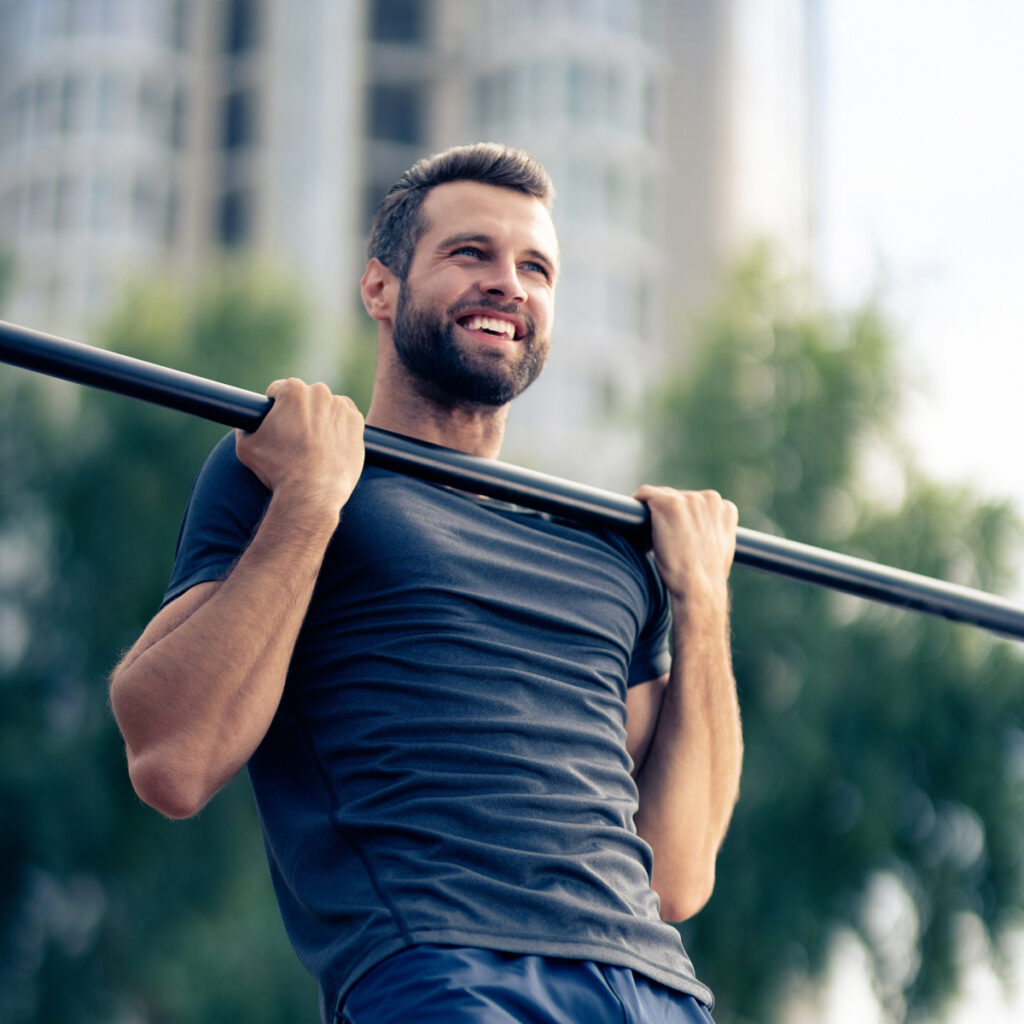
pixel 379 289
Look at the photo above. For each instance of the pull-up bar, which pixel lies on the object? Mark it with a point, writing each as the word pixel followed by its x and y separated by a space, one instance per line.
pixel 235 407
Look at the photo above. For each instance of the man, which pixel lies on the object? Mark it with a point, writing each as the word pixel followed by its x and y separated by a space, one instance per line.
pixel 448 704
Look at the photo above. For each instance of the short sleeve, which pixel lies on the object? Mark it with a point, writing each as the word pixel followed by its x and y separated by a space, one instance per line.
pixel 652 656
pixel 223 511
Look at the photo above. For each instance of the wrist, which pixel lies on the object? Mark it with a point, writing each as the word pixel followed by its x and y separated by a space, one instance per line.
pixel 307 508
pixel 701 606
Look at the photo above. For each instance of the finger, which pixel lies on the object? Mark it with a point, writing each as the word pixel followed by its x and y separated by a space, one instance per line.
pixel 648 491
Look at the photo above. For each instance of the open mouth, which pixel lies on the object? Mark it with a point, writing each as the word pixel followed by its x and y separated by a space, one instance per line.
pixel 495 327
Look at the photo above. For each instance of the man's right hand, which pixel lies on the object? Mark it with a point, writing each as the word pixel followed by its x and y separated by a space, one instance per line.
pixel 309 444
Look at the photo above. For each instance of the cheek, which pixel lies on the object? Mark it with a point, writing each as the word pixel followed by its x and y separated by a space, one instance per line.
pixel 438 290
pixel 544 315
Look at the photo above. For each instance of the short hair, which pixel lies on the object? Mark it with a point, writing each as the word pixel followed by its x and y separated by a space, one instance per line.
pixel 398 223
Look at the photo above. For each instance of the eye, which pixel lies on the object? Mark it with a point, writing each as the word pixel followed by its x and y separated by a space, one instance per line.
pixel 532 267
pixel 470 250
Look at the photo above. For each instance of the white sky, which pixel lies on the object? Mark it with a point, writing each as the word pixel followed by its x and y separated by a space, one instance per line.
pixel 924 175
pixel 924 198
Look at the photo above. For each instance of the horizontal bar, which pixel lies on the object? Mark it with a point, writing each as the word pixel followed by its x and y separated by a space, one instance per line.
pixel 136 378
pixel 235 407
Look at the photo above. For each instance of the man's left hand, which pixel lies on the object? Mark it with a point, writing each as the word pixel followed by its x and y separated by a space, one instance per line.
pixel 694 538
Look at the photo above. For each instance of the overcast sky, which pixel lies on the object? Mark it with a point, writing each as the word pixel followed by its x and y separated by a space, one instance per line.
pixel 924 190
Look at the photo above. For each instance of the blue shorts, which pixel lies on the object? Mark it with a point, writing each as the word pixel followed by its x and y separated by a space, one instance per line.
pixel 458 985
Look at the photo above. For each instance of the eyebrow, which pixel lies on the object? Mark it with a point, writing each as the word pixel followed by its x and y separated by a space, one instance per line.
pixel 466 237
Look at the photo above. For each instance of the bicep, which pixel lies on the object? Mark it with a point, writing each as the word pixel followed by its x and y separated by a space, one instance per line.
pixel 643 705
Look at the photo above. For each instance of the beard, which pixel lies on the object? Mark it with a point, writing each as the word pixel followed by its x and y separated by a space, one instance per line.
pixel 451 375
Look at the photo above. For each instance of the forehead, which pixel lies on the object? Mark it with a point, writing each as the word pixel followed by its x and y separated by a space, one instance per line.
pixel 504 214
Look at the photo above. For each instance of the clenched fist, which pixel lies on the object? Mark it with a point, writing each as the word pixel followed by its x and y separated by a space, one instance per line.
pixel 694 538
pixel 310 443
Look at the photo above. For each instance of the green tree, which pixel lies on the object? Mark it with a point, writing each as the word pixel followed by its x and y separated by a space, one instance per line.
pixel 6 274
pixel 107 911
pixel 882 789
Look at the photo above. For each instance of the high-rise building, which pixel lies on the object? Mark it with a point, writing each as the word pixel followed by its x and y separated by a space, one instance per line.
pixel 151 135
pixel 157 134
pixel 94 126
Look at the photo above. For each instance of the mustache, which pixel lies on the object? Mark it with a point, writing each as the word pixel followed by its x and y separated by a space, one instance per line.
pixel 508 308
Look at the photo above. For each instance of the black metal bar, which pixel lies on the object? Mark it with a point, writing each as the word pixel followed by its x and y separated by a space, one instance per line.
pixel 235 407
pixel 125 375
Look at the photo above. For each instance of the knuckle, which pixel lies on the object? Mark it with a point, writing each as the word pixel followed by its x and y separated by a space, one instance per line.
pixel 286 387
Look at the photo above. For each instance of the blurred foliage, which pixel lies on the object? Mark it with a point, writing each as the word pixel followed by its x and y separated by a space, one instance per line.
pixel 358 365
pixel 108 912
pixel 883 785
pixel 7 273
pixel 885 750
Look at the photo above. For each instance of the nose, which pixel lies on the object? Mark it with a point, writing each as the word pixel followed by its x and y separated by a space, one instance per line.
pixel 502 280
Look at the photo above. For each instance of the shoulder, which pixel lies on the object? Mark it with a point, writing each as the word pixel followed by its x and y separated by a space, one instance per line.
pixel 224 473
pixel 224 492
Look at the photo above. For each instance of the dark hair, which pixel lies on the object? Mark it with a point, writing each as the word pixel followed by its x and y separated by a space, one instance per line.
pixel 398 224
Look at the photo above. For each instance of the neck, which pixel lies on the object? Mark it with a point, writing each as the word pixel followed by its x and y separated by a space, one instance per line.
pixel 399 406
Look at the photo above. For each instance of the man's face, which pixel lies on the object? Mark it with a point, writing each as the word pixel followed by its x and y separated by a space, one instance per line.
pixel 473 319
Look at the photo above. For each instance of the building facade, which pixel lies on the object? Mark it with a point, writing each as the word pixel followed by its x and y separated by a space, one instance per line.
pixel 156 135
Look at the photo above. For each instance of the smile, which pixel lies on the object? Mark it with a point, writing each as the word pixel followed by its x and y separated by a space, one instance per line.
pixel 497 327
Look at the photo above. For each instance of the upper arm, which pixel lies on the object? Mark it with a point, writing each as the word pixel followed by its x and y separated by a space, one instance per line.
pixel 643 705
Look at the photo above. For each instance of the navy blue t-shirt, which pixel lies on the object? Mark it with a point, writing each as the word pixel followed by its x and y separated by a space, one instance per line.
pixel 448 760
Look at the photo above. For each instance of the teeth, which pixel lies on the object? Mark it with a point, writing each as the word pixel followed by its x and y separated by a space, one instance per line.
pixel 489 324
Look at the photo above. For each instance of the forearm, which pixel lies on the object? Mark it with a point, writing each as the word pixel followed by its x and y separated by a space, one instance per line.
pixel 197 693
pixel 689 781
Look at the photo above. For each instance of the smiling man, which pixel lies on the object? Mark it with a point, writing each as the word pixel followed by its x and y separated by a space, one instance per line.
pixel 465 318
pixel 485 775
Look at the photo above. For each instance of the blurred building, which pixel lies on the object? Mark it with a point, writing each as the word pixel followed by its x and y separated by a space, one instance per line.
pixel 142 135
pixel 154 134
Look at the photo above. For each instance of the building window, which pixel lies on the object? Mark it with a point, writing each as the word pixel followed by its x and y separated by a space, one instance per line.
pixel 396 113
pixel 146 209
pixel 46 112
pixel 152 109
pixel 583 92
pixel 491 98
pixel 113 94
pixel 179 19
pixel 234 218
pixel 12 222
pixel 103 204
pixel 172 210
pixel 238 127
pixel 21 114
pixel 40 206
pixel 64 204
pixel 176 118
pixel 616 199
pixel 241 30
pixel 69 113
pixel 650 110
pixel 398 21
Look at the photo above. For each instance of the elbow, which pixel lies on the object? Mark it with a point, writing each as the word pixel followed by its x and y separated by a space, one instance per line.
pixel 686 898
pixel 165 787
pixel 161 772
